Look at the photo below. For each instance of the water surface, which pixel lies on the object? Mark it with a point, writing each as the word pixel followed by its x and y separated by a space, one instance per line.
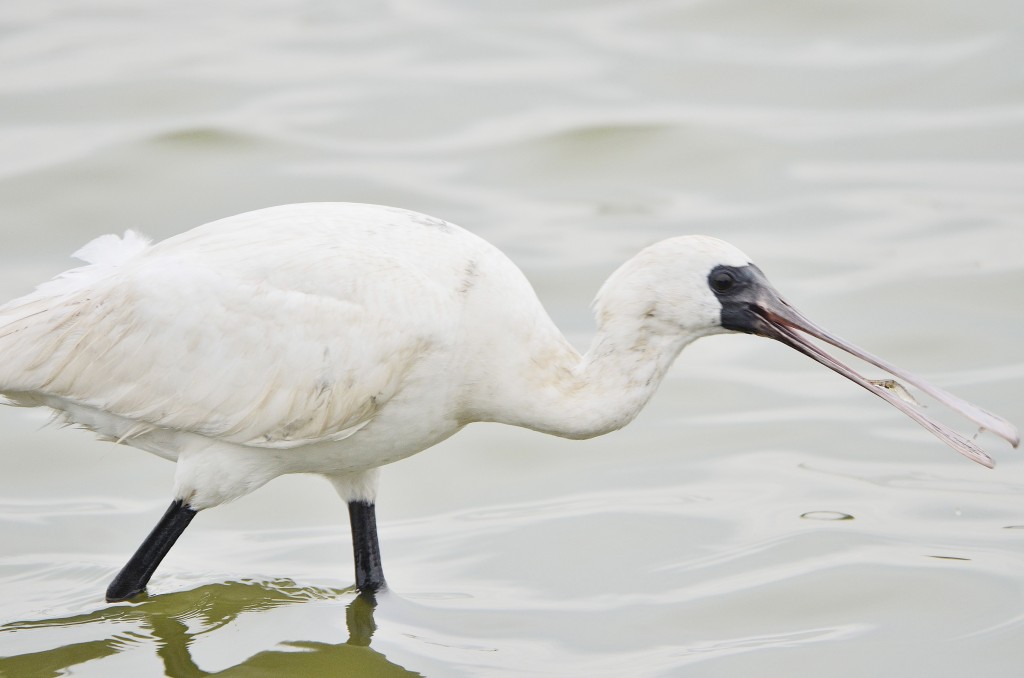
pixel 868 155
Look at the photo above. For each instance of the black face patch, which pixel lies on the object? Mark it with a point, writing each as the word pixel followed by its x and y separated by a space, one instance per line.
pixel 728 281
pixel 738 289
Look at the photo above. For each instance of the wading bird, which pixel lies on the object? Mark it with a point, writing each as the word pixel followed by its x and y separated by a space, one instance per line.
pixel 336 338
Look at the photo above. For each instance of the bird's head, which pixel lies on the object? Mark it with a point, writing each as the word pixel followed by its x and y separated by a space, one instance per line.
pixel 698 286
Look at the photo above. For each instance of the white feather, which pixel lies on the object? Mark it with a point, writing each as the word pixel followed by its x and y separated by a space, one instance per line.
pixel 327 338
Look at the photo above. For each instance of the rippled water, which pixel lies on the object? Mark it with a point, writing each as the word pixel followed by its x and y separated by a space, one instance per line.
pixel 762 517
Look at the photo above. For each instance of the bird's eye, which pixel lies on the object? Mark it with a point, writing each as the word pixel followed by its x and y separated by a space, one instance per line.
pixel 722 281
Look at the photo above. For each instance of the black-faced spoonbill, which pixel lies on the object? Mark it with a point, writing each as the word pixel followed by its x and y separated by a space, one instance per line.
pixel 336 338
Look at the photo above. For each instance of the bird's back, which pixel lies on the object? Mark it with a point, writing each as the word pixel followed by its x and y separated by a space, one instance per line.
pixel 275 328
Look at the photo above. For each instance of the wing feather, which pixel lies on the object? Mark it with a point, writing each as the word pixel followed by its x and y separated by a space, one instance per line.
pixel 175 342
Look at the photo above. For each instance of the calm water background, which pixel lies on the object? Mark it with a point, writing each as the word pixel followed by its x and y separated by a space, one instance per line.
pixel 869 155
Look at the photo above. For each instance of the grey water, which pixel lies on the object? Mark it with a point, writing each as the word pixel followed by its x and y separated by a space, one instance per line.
pixel 761 517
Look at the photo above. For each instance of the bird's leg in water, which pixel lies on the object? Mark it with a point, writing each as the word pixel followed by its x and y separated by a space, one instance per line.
pixel 133 577
pixel 365 548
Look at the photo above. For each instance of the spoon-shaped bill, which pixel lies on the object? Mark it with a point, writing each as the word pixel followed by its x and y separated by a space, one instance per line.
pixel 786 325
pixel 752 305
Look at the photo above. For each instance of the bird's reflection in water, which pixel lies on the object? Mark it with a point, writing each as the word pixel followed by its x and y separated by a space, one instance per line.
pixel 170 623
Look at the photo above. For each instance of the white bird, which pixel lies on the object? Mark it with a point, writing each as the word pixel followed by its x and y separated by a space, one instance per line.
pixel 337 338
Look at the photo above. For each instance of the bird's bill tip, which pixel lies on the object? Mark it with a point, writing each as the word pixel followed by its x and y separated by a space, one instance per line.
pixel 782 322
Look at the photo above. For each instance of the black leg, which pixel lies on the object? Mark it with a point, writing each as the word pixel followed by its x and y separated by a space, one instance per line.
pixel 369 573
pixel 133 577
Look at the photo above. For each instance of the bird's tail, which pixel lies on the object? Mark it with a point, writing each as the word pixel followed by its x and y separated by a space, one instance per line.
pixel 30 323
pixel 102 256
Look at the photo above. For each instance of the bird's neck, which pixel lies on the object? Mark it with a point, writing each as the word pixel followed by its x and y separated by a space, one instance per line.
pixel 565 394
